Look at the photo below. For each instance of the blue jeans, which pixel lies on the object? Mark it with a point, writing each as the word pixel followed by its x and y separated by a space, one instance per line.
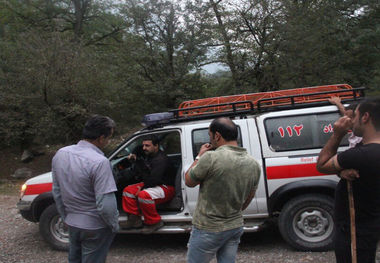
pixel 89 246
pixel 204 245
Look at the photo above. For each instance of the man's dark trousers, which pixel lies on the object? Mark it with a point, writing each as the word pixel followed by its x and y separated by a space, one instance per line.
pixel 89 246
pixel 366 240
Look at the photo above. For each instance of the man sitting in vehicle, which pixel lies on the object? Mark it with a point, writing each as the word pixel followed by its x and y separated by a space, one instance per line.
pixel 157 187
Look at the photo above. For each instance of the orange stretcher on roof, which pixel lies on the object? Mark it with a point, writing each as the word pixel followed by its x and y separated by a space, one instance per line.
pixel 265 99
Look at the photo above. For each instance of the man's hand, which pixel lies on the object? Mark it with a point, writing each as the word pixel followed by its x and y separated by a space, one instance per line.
pixel 188 181
pixel 132 157
pixel 342 126
pixel 205 147
pixel 349 174
pixel 334 100
pixel 327 161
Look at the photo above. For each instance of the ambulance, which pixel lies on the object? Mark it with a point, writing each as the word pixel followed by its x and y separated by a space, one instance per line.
pixel 283 130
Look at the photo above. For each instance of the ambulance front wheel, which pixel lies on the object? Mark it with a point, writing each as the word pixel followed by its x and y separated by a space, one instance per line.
pixel 306 222
pixel 53 230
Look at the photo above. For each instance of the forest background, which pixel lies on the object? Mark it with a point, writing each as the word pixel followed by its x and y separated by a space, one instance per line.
pixel 63 60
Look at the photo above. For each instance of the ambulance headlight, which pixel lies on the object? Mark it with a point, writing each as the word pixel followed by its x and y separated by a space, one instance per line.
pixel 22 191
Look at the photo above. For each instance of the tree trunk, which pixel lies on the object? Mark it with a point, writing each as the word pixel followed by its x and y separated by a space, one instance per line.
pixel 80 9
pixel 227 45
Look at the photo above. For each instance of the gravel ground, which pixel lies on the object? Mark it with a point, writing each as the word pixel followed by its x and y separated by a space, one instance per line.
pixel 21 242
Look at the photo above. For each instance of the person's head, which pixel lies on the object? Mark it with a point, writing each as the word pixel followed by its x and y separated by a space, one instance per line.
pixel 98 130
pixel 367 116
pixel 222 130
pixel 150 144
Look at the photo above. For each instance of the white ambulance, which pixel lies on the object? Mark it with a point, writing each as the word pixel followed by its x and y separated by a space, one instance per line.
pixel 283 130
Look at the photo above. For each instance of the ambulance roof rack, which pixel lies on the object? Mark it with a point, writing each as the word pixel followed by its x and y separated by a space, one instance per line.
pixel 241 105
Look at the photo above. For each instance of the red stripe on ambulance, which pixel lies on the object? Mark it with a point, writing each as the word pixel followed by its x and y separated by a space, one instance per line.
pixel 292 171
pixel 34 189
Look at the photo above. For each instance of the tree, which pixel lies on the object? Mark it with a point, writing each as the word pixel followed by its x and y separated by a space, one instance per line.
pixel 49 83
pixel 259 39
pixel 363 64
pixel 87 20
pixel 166 48
pixel 61 61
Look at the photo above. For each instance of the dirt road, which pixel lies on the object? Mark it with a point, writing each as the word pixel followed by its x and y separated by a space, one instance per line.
pixel 21 242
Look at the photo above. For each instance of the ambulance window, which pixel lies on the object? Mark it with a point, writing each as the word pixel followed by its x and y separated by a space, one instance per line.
pixel 200 137
pixel 300 132
pixel 170 143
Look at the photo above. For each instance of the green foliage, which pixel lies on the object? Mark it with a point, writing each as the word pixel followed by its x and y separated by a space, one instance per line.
pixel 61 61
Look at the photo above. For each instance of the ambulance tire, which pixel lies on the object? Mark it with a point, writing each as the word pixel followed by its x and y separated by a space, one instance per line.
pixel 53 230
pixel 306 222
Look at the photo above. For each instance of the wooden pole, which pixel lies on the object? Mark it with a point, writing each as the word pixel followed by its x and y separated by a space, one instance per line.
pixel 352 220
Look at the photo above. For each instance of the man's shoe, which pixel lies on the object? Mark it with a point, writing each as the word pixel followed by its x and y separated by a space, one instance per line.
pixel 133 221
pixel 149 229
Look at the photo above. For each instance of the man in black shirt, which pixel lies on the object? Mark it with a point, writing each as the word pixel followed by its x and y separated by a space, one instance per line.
pixel 157 187
pixel 361 165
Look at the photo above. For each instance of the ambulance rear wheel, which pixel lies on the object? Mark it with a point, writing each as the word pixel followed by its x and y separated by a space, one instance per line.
pixel 53 230
pixel 306 222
